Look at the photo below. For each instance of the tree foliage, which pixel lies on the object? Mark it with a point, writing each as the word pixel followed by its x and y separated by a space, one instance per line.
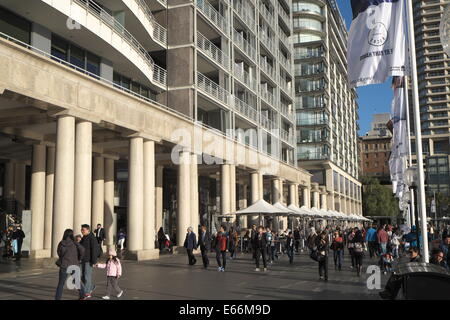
pixel 378 200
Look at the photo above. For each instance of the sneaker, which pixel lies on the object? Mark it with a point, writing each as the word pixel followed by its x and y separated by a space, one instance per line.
pixel 105 298
pixel 219 269
pixel 120 294
pixel 257 269
pixel 222 269
pixel 86 296
pixel 321 277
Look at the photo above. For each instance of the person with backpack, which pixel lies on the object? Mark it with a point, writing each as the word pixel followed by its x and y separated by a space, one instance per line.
pixel 358 250
pixel 69 254
pixel 91 254
pixel 337 246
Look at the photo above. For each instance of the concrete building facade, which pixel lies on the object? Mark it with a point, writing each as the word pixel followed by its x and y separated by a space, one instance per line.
pixel 326 107
pixel 141 114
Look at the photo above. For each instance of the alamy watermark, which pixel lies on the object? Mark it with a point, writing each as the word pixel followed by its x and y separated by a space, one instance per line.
pixel 374 280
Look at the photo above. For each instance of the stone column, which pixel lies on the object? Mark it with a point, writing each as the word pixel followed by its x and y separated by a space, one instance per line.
pixel 261 185
pixel 195 214
pixel 292 194
pixel 149 201
pixel 20 183
pixel 9 192
pixel 37 203
pixel 83 175
pixel 315 195
pixel 135 238
pixel 159 197
pixel 305 197
pixel 244 204
pixel 232 188
pixel 98 191
pixel 63 204
pixel 281 190
pixel 225 189
pixel 49 190
pixel 255 182
pixel 323 198
pixel 109 216
pixel 276 194
pixel 184 197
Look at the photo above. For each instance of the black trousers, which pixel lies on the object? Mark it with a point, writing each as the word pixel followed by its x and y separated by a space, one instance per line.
pixel 373 248
pixel 323 267
pixel 352 256
pixel 221 255
pixel 261 252
pixel 191 257
pixel 297 243
pixel 204 256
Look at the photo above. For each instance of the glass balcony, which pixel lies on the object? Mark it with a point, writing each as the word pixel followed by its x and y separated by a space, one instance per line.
pixel 246 15
pixel 245 77
pixel 212 51
pixel 268 98
pixel 311 155
pixel 266 14
pixel 267 68
pixel 267 124
pixel 268 42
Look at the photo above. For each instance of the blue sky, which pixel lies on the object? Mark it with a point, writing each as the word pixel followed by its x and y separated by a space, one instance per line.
pixel 374 98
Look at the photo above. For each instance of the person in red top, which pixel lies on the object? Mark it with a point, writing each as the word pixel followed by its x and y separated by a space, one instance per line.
pixel 383 239
pixel 338 250
pixel 220 245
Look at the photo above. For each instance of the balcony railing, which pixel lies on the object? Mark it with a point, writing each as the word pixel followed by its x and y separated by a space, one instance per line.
pixel 246 15
pixel 245 110
pixel 268 42
pixel 159 32
pixel 285 63
pixel 244 45
pixel 266 14
pixel 212 51
pixel 312 155
pixel 285 86
pixel 287 137
pixel 245 77
pixel 109 20
pixel 267 68
pixel 266 123
pixel 212 89
pixel 284 15
pixel 213 15
pixel 159 75
pixel 268 98
pixel 286 112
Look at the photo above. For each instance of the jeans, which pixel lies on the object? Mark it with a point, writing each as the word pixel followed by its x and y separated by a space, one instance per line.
pixel 223 255
pixel 273 253
pixel 61 282
pixel 383 248
pixel 395 251
pixel 338 255
pixel 290 253
pixel 261 252
pixel 86 278
pixel 323 267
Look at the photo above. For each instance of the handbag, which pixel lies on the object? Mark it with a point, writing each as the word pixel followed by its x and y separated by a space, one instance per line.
pixel 358 247
pixel 314 255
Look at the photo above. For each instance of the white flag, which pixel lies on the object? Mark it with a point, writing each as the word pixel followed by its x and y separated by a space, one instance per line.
pixel 376 42
pixel 400 143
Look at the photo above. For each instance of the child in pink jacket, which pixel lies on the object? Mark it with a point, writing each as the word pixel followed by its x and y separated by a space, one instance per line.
pixel 113 273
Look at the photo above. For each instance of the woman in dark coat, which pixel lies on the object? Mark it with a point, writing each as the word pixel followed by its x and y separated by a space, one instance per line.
pixel 70 253
pixel 161 238
pixel 323 247
pixel 358 250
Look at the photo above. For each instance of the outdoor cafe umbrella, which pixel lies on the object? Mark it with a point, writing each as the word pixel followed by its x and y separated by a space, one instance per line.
pixel 260 208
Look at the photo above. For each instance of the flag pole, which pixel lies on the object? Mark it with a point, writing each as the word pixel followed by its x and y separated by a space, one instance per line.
pixel 418 133
pixel 411 212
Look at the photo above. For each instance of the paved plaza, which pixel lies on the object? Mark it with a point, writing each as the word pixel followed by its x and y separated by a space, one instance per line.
pixel 171 277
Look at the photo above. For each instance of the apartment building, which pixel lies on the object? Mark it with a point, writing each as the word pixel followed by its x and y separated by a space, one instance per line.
pixel 434 95
pixel 326 107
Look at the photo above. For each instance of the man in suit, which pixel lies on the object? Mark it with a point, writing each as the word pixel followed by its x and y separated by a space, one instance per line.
pixel 190 243
pixel 204 241
pixel 99 234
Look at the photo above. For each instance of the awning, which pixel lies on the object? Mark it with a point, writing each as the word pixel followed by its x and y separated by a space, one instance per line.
pixel 260 207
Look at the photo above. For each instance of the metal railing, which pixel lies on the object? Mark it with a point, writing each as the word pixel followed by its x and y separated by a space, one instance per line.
pixel 246 110
pixel 285 63
pixel 267 124
pixel 268 98
pixel 245 77
pixel 212 51
pixel 268 42
pixel 284 85
pixel 109 20
pixel 267 68
pixel 213 15
pixel 284 15
pixel 246 15
pixel 212 89
pixel 286 112
pixel 266 14
pixel 159 32
pixel 286 136
pixel 159 75
pixel 244 45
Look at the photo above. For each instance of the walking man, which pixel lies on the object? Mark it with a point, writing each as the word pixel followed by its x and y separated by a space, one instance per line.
pixel 190 243
pixel 18 235
pixel 204 241
pixel 91 254
pixel 371 239
pixel 260 245
pixel 290 247
pixel 100 234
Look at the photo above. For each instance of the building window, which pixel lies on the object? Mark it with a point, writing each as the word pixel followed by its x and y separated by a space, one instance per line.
pixel 15 26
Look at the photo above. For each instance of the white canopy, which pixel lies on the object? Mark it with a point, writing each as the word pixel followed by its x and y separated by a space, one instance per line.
pixel 260 207
pixel 307 211
pixel 282 208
